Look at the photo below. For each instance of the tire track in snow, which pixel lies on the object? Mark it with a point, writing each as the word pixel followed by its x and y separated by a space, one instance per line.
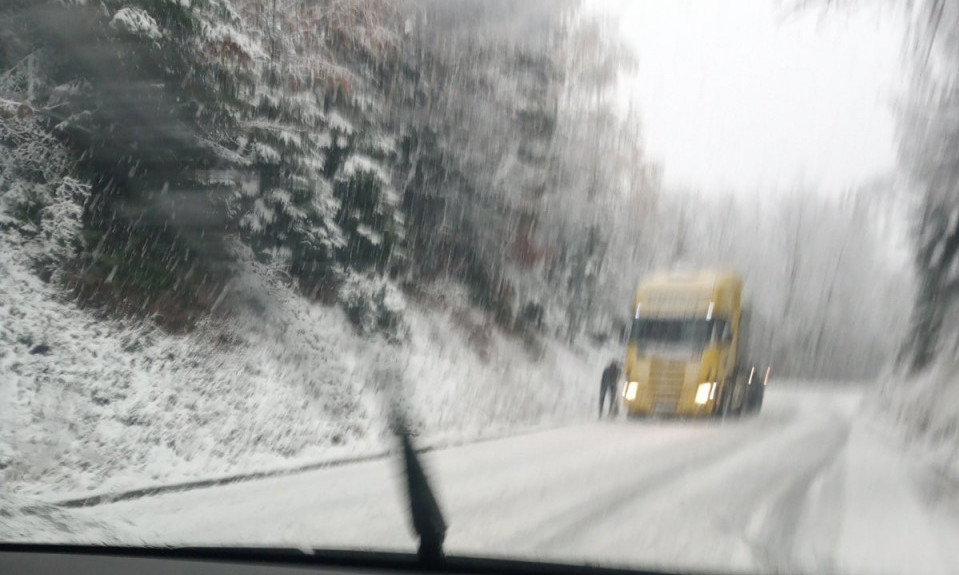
pixel 698 516
pixel 520 488
pixel 774 529
pixel 567 523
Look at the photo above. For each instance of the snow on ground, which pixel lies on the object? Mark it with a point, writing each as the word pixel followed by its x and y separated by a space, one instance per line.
pixel 808 486
pixel 93 406
pixel 816 483
pixel 24 519
pixel 891 525
pixel 926 411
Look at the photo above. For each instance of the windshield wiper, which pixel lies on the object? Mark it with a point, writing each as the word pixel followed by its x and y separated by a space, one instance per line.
pixel 425 511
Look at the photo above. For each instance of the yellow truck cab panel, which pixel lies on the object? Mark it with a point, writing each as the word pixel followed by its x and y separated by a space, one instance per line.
pixel 682 346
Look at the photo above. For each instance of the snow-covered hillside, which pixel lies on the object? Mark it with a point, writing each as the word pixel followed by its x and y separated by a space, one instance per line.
pixel 924 410
pixel 97 406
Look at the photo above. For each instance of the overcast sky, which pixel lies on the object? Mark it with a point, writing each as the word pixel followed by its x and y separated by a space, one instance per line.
pixel 739 95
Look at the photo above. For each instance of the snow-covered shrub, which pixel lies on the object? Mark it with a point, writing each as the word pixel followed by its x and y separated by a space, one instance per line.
pixel 38 197
pixel 136 22
pixel 20 206
pixel 367 215
pixel 373 304
pixel 30 151
pixel 60 221
pixel 926 407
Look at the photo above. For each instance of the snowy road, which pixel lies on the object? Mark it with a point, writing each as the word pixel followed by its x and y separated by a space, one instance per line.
pixel 805 486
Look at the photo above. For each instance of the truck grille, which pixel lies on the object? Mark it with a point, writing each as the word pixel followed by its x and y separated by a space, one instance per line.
pixel 666 381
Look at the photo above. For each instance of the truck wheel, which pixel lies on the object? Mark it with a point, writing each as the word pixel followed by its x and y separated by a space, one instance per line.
pixel 757 403
pixel 724 407
pixel 754 398
pixel 718 408
pixel 737 411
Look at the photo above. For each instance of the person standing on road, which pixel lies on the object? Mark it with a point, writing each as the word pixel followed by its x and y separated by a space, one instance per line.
pixel 607 385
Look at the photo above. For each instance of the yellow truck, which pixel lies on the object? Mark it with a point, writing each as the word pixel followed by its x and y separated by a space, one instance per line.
pixel 683 353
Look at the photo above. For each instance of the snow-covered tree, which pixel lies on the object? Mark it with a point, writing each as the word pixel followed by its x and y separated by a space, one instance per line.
pixel 521 173
pixel 930 134
pixel 476 140
pixel 824 285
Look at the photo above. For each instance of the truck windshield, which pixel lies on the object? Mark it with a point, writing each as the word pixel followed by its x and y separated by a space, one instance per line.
pixel 679 334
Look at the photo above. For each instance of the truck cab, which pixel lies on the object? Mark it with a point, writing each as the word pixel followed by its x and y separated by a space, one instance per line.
pixel 681 357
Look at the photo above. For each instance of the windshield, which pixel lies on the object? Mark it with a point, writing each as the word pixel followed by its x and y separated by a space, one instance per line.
pixel 692 335
pixel 245 243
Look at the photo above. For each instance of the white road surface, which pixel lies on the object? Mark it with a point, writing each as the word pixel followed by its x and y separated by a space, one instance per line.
pixel 807 486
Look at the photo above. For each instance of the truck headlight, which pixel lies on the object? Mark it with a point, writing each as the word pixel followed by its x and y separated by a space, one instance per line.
pixel 631 388
pixel 703 392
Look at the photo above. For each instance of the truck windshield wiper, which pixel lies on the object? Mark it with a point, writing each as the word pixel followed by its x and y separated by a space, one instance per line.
pixel 425 513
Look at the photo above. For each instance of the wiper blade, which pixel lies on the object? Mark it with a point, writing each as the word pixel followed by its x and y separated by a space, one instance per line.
pixel 425 511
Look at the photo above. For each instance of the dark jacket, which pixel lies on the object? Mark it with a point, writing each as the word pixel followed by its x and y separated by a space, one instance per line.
pixel 610 375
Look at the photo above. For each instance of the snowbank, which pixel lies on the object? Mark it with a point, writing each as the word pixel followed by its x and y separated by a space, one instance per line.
pixel 92 406
pixel 926 407
pixel 891 521
pixel 23 519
